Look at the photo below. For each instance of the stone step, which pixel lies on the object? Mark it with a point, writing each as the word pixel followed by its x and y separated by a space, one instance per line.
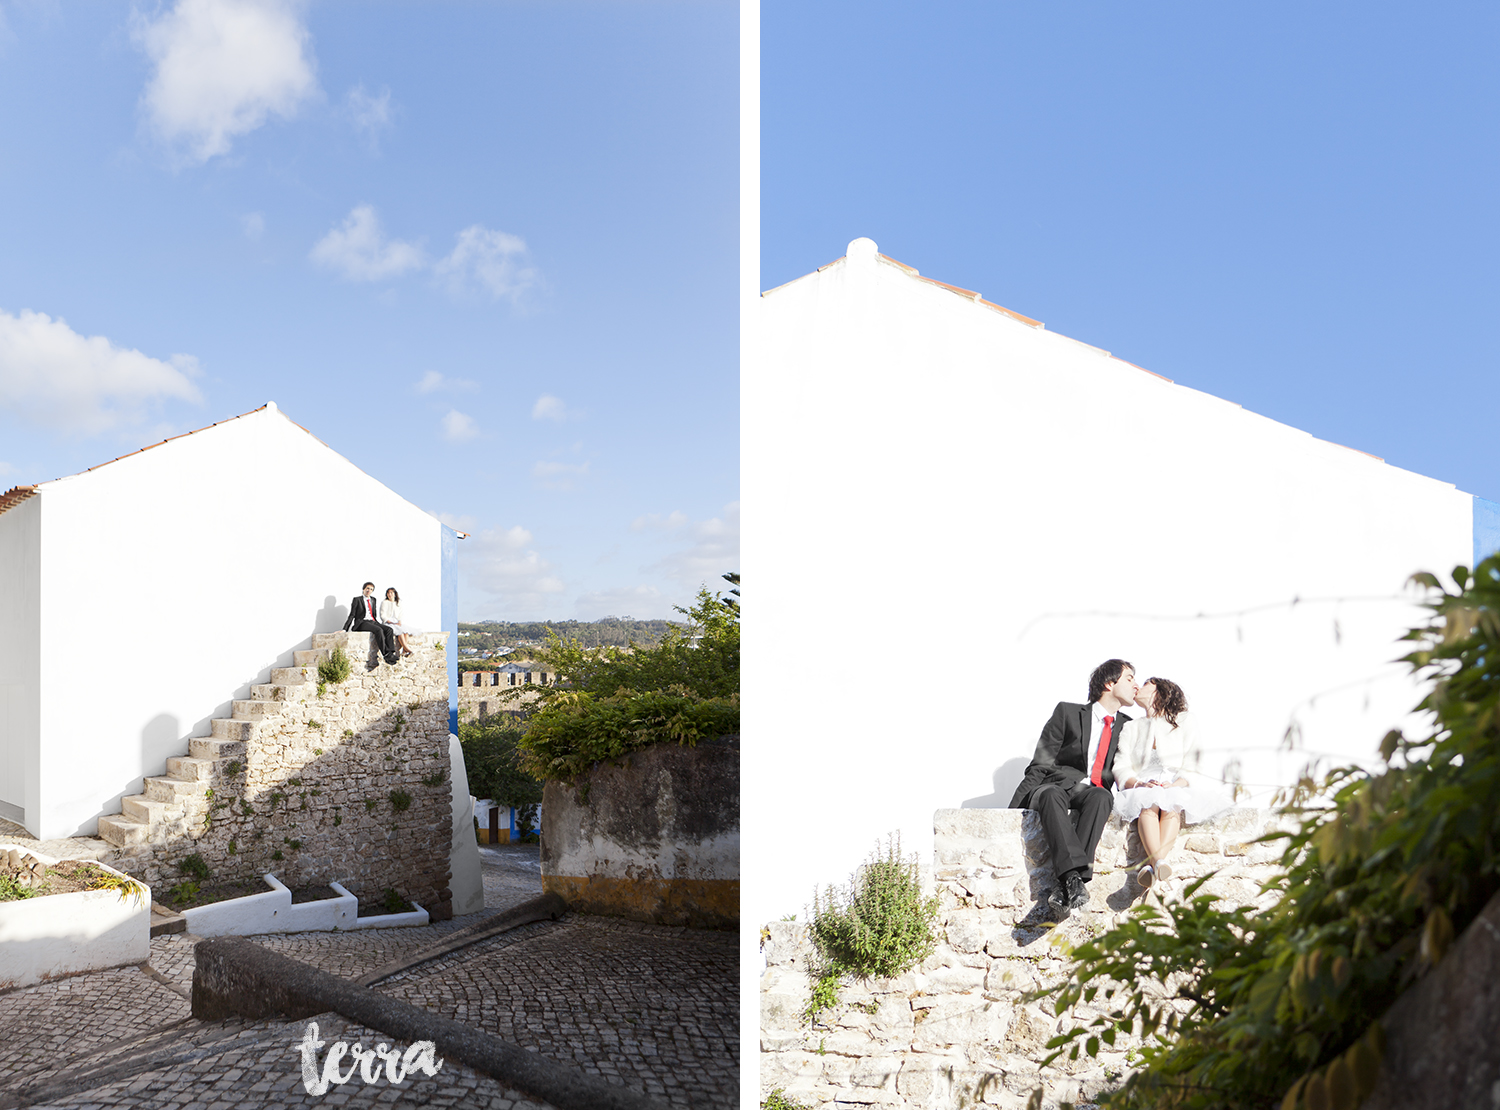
pixel 254 709
pixel 225 728
pixel 151 811
pixel 122 831
pixel 311 658
pixel 293 676
pixel 200 747
pixel 192 770
pixel 165 921
pixel 351 642
pixel 170 788
pixel 283 691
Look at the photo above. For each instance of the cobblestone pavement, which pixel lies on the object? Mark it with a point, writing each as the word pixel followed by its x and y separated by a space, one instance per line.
pixel 651 1008
pixel 257 1064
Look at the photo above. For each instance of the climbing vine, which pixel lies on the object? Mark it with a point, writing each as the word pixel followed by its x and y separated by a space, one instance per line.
pixel 1243 1009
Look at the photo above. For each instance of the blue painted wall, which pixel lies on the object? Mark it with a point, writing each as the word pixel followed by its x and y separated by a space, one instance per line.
pixel 450 619
pixel 1486 529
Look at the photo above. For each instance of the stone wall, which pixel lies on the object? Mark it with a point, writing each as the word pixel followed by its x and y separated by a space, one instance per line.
pixel 307 793
pixel 956 1030
pixel 653 836
pixel 478 702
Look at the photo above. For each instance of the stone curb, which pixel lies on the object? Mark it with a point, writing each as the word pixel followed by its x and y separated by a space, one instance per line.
pixel 547 907
pixel 236 977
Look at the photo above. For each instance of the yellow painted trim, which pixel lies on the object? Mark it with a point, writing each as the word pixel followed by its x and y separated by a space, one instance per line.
pixel 701 903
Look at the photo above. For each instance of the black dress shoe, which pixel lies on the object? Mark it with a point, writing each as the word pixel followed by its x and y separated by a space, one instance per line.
pixel 1077 894
pixel 1058 899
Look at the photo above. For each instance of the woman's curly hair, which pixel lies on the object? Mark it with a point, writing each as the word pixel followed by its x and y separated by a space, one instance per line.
pixel 1170 700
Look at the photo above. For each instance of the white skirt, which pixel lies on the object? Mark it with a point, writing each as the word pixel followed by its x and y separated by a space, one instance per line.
pixel 1195 803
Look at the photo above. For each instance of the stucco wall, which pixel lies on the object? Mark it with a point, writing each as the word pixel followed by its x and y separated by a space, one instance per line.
pixel 936 479
pixel 185 573
pixel 654 836
pixel 20 656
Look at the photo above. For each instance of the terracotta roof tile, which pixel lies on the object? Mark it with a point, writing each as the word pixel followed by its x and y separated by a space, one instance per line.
pixel 971 295
pixel 14 496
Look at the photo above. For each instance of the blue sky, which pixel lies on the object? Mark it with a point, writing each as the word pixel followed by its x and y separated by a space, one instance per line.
pixel 485 251
pixel 1290 206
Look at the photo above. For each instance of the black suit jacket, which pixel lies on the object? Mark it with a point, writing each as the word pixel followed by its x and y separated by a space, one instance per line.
pixel 1062 752
pixel 357 610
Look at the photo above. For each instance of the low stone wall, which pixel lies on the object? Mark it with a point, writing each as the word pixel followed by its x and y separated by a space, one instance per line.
pixel 654 836
pixel 316 793
pixel 956 1030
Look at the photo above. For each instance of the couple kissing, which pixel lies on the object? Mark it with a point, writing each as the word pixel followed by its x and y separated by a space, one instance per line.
pixel 1093 760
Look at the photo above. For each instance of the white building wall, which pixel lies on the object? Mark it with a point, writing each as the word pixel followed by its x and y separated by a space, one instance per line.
pixel 943 492
pixel 20 654
pixel 174 579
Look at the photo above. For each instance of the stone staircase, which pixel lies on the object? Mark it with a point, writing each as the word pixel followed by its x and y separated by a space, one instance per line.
pixel 174 804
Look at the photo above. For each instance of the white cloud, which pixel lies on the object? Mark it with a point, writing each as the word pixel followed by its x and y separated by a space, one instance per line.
pixel 254 225
pixel 548 407
pixel 221 67
pixel 674 519
pixel 369 114
pixel 360 251
pixel 432 381
pixel 713 551
pixel 494 260
pixel 51 375
pixel 458 428
pixel 504 565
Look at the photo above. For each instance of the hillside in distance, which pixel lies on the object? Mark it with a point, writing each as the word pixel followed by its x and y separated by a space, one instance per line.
pixel 607 632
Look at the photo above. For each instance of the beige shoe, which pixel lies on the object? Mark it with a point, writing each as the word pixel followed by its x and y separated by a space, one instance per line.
pixel 1145 876
pixel 1163 871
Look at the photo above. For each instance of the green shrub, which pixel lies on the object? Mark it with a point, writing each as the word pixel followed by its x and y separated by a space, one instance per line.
pixel 780 1100
pixel 610 702
pixel 400 801
pixel 1287 1001
pixel 575 730
pixel 877 927
pixel 195 866
pixel 335 669
pixel 11 891
pixel 394 903
pixel 491 760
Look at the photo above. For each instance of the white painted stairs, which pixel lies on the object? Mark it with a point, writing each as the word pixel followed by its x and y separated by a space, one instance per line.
pixel 173 805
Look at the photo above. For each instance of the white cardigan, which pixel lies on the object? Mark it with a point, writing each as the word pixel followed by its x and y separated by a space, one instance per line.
pixel 390 612
pixel 1178 747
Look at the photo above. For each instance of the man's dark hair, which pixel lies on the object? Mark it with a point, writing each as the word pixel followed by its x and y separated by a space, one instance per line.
pixel 1106 673
pixel 372 584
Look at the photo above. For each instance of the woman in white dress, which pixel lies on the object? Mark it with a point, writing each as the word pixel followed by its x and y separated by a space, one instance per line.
pixel 1156 756
pixel 390 613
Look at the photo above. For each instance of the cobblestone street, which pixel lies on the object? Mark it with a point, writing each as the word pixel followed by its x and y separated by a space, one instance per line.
pixel 648 1007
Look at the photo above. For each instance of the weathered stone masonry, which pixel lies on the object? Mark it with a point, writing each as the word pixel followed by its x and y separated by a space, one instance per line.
pixel 317 781
pixel 957 1030
pixel 653 835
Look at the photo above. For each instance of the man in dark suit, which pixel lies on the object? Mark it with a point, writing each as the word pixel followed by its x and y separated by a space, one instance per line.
pixel 1068 782
pixel 362 612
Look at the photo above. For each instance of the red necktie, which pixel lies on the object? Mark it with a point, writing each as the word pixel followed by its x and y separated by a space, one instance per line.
pixel 1097 778
pixel 369 608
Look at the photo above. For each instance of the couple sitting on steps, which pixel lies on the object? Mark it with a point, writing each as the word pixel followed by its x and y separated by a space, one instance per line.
pixel 386 631
pixel 1092 759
